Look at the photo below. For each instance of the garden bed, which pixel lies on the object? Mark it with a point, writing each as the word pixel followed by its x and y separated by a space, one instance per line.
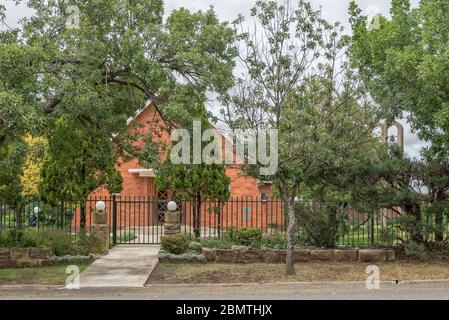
pixel 323 271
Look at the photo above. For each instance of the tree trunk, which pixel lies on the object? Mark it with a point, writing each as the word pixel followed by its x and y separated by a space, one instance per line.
pixel 82 216
pixel 18 216
pixel 439 228
pixel 197 218
pixel 290 263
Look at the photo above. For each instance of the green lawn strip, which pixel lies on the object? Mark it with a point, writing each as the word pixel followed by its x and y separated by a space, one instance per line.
pixel 53 275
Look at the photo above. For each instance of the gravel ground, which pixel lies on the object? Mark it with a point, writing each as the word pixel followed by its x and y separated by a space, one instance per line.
pixel 433 290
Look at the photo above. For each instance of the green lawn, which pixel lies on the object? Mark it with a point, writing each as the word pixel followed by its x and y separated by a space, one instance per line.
pixel 54 275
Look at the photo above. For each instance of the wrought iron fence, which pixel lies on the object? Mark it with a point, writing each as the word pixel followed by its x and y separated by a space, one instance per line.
pixel 140 220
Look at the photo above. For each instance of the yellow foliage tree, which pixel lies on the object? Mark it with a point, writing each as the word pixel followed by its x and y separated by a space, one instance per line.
pixel 32 166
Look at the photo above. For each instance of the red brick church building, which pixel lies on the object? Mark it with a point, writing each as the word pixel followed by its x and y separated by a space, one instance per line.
pixel 139 181
pixel 141 204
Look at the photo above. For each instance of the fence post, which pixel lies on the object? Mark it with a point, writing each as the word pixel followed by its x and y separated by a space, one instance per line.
pixel 114 219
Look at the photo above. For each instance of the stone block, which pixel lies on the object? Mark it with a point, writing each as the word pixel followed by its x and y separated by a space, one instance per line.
pixel 28 262
pixel 209 254
pixel 249 256
pixel 345 255
pixel 18 253
pixel 40 253
pixel 171 228
pixel 7 263
pixel 301 255
pixel 391 255
pixel 372 255
pixel 322 255
pixel 101 218
pixel 172 217
pixel 226 256
pixel 4 253
pixel 271 256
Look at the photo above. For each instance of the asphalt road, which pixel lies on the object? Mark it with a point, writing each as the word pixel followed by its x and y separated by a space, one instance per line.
pixel 285 291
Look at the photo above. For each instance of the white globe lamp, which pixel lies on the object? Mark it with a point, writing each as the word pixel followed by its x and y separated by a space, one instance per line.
pixel 172 206
pixel 100 205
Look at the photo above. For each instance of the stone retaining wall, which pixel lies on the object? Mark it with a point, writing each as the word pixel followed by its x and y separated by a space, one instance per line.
pixel 23 257
pixel 300 255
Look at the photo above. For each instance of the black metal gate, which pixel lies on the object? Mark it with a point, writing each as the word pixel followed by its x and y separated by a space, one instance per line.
pixel 137 220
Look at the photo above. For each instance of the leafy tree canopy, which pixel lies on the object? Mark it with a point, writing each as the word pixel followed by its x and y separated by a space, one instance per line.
pixel 403 62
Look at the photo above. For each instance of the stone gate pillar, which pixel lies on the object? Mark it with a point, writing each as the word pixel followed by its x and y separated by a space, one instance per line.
pixel 172 223
pixel 100 226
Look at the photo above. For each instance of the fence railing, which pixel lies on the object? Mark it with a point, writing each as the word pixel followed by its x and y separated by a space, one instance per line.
pixel 137 219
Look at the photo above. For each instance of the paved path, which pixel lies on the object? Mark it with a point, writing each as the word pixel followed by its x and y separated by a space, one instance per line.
pixel 124 266
pixel 438 290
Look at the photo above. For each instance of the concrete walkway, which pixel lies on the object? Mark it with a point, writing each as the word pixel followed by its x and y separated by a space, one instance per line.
pixel 124 266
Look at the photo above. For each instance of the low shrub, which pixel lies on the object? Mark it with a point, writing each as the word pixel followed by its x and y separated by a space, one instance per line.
pixel 277 241
pixel 229 234
pixel 248 236
pixel 415 250
pixel 20 238
pixel 175 244
pixel 321 225
pixel 88 244
pixel 195 246
pixel 387 235
pixel 61 243
pixel 216 243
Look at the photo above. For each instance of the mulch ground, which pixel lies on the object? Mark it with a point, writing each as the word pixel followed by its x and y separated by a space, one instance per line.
pixel 305 272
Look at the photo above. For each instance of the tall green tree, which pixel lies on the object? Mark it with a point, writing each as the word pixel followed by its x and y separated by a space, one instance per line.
pixel 18 98
pixel 93 64
pixel 102 60
pixel 292 83
pixel 79 160
pixel 416 190
pixel 196 183
pixel 403 63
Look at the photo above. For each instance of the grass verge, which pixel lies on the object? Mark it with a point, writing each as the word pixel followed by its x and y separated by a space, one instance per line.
pixel 54 275
pixel 305 272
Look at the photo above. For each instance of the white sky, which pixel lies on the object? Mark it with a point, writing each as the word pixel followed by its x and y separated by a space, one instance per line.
pixel 333 10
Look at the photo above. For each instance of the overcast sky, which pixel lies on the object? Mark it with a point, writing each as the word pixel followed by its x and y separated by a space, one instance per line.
pixel 333 10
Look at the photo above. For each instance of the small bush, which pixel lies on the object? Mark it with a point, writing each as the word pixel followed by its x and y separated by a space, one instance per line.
pixel 230 234
pixel 175 244
pixel 415 250
pixel 248 236
pixel 195 246
pixel 216 243
pixel 61 243
pixel 321 225
pixel 278 241
pixel 20 238
pixel 88 244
